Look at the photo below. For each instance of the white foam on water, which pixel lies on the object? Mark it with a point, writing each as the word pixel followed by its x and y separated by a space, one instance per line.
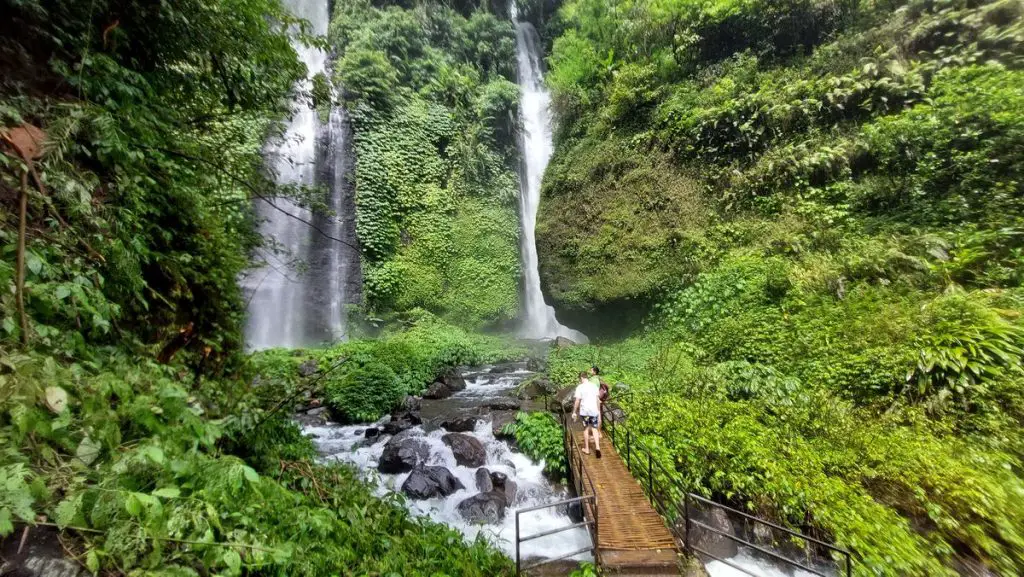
pixel 347 444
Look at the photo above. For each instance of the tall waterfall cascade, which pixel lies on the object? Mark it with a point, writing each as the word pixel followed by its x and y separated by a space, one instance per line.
pixel 297 295
pixel 536 147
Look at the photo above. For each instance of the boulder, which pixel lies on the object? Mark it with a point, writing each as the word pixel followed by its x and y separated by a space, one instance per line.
pixel 437 390
pixel 453 380
pixel 506 404
pixel 536 364
pixel 468 451
pixel 504 486
pixel 483 508
pixel 316 412
pixel 460 424
pixel 564 398
pixel 401 421
pixel 411 404
pixel 563 342
pixel 430 482
pixel 718 545
pixel 308 367
pixel 483 480
pixel 419 485
pixel 498 422
pixel 536 388
pixel 446 481
pixel 371 433
pixel 403 454
pixel 615 414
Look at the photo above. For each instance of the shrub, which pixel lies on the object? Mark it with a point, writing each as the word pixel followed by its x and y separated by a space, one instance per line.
pixel 539 436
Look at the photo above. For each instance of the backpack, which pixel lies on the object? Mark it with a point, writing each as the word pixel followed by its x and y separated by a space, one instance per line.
pixel 602 392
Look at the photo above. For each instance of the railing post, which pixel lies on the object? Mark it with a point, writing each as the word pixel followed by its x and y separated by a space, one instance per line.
pixel 849 568
pixel 629 435
pixel 686 516
pixel 650 475
pixel 517 544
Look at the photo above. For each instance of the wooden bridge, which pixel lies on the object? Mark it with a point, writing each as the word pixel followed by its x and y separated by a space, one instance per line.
pixel 624 499
pixel 628 536
pixel 631 536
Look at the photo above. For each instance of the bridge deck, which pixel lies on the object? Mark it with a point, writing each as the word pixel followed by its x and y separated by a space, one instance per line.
pixel 631 535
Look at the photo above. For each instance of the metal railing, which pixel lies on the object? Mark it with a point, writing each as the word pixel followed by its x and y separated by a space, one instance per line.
pixel 586 497
pixel 672 500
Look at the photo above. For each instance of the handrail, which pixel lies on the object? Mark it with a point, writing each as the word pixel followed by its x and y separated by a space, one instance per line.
pixel 581 485
pixel 632 445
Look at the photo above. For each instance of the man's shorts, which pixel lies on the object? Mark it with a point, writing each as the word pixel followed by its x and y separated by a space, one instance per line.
pixel 589 421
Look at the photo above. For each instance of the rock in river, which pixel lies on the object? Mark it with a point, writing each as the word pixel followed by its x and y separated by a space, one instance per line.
pixel 460 424
pixel 483 480
pixel 430 482
pixel 437 390
pixel 504 486
pixel 468 451
pixel 403 454
pixel 483 508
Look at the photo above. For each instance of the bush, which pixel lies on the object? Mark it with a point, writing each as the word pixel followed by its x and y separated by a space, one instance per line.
pixel 539 436
pixel 363 391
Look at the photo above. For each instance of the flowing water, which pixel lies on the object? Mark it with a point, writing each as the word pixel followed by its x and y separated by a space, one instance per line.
pixel 297 296
pixel 347 444
pixel 539 320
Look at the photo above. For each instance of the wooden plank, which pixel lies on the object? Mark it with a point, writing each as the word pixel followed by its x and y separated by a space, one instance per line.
pixel 630 532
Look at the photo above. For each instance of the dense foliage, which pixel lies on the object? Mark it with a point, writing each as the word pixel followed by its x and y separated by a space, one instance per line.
pixel 539 436
pixel 815 209
pixel 432 99
pixel 363 379
pixel 129 420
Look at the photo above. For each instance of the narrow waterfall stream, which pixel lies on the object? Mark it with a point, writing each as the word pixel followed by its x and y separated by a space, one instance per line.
pixel 539 320
pixel 298 296
pixel 488 398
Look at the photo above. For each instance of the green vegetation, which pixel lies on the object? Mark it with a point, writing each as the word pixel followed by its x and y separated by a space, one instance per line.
pixel 129 419
pixel 364 379
pixel 539 436
pixel 431 94
pixel 814 209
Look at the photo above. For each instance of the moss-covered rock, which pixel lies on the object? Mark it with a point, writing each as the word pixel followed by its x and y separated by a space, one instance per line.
pixel 617 226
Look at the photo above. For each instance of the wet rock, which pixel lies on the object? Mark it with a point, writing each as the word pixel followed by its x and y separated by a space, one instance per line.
pixel 42 556
pixel 718 545
pixel 615 414
pixel 505 487
pixel 483 480
pixel 468 451
pixel 564 398
pixel 453 380
pixel 419 485
pixel 437 390
pixel 498 422
pixel 483 508
pixel 308 367
pixel 537 388
pixel 446 481
pixel 430 482
pixel 538 365
pixel 403 454
pixel 371 433
pixel 507 404
pixel 563 342
pixel 401 421
pixel 316 412
pixel 411 404
pixel 460 424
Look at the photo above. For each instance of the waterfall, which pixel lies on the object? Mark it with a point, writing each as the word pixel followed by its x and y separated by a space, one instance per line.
pixel 297 295
pixel 536 146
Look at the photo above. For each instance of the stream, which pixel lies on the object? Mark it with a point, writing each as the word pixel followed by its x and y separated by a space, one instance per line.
pixel 490 398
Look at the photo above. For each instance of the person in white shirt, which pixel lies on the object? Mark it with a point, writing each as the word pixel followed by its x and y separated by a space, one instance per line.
pixel 588 406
